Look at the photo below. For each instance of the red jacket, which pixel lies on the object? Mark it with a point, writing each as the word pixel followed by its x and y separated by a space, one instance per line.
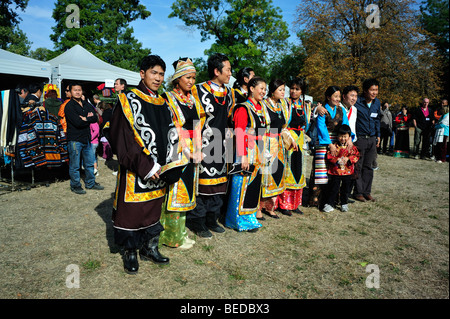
pixel 336 168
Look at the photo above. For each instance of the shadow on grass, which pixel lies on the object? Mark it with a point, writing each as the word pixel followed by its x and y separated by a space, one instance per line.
pixel 104 210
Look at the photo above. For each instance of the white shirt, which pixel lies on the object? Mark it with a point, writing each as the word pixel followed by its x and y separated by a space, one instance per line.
pixel 351 114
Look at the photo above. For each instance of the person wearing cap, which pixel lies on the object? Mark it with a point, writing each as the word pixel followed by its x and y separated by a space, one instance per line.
pixel 188 116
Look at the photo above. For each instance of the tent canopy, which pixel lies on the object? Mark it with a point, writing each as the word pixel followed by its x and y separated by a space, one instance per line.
pixel 79 64
pixel 11 63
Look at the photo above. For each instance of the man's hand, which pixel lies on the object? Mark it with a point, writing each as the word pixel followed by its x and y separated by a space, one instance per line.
pixel 333 149
pixel 156 175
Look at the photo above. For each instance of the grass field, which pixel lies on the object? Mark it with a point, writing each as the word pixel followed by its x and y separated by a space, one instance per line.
pixel 404 235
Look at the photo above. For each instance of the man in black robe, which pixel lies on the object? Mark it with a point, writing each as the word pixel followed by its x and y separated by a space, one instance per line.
pixel 143 137
pixel 218 102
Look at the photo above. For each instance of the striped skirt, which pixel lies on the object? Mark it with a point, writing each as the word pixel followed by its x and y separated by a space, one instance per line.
pixel 320 166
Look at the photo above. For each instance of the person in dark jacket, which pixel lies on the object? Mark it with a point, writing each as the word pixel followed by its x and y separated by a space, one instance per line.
pixel 79 115
pixel 423 121
pixel 368 138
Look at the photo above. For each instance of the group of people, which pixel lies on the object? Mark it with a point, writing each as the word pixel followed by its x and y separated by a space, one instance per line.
pixel 201 153
pixel 431 131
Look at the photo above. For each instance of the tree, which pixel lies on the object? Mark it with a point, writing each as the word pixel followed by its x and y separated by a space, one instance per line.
pixel 434 19
pixel 247 31
pixel 104 30
pixel 11 37
pixel 288 64
pixel 42 54
pixel 345 44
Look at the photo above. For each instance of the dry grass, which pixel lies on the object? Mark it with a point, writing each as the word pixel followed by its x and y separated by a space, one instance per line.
pixel 312 256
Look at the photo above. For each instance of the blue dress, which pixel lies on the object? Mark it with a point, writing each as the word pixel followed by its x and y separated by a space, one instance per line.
pixel 233 219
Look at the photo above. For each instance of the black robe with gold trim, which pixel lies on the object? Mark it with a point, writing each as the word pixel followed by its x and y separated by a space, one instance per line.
pixel 213 168
pixel 141 134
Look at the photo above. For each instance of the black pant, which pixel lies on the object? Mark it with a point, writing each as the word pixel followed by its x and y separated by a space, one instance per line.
pixel 367 148
pixel 338 185
pixel 385 134
pixel 206 204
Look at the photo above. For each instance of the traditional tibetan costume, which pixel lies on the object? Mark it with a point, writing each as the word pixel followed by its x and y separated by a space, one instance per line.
pixel 144 138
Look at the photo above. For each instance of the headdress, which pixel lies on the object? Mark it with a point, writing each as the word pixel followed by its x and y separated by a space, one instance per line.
pixel 183 67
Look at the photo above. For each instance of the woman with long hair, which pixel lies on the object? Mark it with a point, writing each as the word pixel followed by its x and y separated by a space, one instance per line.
pixel 277 118
pixel 250 127
pixel 290 200
pixel 327 126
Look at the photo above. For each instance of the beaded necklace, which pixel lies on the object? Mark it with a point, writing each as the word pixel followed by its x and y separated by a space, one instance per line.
pixel 300 107
pixel 259 112
pixel 275 108
pixel 215 98
pixel 186 100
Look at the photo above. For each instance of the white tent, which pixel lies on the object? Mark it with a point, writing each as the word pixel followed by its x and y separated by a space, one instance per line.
pixel 15 64
pixel 79 64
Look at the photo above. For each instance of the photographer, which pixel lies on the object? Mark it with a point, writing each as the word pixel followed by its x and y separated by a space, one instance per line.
pixel 32 99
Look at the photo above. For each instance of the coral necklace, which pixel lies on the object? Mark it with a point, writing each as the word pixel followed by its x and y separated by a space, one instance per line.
pixel 215 98
pixel 186 100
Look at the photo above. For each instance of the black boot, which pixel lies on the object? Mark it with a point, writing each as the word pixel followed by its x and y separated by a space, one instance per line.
pixel 130 262
pixel 211 223
pixel 150 252
pixel 197 225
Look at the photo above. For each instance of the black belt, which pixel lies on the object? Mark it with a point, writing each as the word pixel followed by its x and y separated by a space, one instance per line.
pixel 364 136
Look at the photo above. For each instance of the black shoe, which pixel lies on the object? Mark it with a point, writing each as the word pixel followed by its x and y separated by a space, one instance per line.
pixel 254 230
pixel 261 218
pixel 285 212
pixel 350 201
pixel 150 252
pixel 274 215
pixel 298 211
pixel 97 186
pixel 78 190
pixel 130 262
pixel 211 223
pixel 197 226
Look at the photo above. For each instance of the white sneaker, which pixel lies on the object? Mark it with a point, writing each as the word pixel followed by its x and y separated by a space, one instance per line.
pixel 328 208
pixel 438 161
pixel 185 246
pixel 344 208
pixel 187 240
pixel 114 173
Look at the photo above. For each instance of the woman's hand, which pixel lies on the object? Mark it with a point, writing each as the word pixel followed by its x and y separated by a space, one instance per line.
pixel 244 163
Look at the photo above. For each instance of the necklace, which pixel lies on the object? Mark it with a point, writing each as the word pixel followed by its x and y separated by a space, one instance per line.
pixel 186 100
pixel 215 98
pixel 259 112
pixel 298 106
pixel 274 107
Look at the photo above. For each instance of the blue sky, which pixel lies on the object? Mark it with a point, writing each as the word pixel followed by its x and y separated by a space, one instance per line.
pixel 162 35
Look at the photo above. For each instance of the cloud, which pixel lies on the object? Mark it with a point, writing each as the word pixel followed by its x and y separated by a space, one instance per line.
pixel 38 12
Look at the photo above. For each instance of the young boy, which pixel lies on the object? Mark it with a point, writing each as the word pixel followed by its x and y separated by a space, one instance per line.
pixel 340 170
